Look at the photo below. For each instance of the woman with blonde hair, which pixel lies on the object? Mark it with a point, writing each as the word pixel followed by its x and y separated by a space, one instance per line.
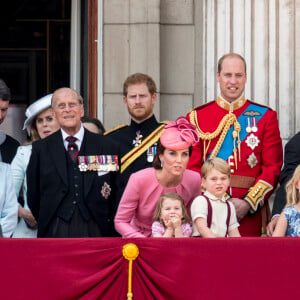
pixel 40 123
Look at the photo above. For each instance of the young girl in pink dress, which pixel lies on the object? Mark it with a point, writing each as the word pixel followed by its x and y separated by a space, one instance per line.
pixel 171 218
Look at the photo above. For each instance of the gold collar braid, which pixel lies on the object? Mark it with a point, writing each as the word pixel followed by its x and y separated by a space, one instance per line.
pixel 222 129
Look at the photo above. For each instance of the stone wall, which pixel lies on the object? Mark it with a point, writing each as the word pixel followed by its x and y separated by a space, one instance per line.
pixel 131 44
pixel 178 43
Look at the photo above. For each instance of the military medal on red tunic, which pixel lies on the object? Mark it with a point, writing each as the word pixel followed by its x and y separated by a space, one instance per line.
pixel 251 125
pixel 248 127
pixel 252 160
pixel 252 141
pixel 254 126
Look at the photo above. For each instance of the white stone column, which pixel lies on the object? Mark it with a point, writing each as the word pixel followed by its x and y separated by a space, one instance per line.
pixel 266 33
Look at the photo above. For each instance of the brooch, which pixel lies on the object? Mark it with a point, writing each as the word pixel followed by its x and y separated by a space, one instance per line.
pixel 105 191
pixel 138 139
pixel 252 160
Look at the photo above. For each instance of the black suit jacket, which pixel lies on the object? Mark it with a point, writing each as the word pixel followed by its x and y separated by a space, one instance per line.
pixel 47 181
pixel 8 149
pixel 291 161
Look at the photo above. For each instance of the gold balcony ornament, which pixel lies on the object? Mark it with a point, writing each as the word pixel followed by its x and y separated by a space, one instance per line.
pixel 130 252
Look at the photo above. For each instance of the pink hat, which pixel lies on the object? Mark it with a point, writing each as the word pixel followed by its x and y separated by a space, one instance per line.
pixel 179 135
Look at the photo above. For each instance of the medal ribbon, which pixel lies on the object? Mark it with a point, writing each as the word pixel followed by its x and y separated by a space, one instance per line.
pixel 136 152
pixel 227 147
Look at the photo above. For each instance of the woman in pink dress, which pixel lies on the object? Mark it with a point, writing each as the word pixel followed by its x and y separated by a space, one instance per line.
pixel 136 209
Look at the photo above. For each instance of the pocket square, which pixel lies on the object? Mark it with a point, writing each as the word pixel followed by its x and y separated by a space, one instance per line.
pixel 101 173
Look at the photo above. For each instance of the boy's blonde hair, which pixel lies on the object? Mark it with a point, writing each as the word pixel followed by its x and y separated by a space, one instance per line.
pixel 172 196
pixel 216 163
pixel 292 193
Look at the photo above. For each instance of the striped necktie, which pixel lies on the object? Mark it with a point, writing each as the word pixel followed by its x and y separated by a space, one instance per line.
pixel 72 147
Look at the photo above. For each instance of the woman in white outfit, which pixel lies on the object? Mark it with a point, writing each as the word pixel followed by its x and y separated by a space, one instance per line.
pixel 40 122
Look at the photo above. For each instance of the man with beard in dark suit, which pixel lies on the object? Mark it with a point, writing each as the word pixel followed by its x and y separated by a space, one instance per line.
pixel 73 175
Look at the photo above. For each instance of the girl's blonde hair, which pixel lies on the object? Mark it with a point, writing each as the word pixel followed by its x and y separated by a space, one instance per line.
pixel 292 193
pixel 216 163
pixel 172 196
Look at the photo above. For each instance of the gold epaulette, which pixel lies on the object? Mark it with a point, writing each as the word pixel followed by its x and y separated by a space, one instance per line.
pixel 164 122
pixel 115 129
pixel 256 194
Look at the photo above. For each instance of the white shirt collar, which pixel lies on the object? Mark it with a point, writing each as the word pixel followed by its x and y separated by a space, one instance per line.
pixel 79 136
pixel 212 197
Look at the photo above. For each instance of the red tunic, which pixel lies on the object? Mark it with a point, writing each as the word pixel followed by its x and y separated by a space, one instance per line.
pixel 260 155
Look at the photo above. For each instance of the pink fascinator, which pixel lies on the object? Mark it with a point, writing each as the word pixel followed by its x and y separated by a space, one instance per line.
pixel 179 135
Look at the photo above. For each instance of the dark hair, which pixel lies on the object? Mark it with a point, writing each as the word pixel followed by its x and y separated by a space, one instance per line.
pixel 139 78
pixel 4 91
pixel 160 150
pixel 231 55
pixel 95 121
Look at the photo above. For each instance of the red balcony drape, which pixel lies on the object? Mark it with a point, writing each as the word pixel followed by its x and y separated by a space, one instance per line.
pixel 187 268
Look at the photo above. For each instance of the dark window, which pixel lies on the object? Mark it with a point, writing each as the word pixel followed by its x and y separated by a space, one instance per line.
pixel 34 47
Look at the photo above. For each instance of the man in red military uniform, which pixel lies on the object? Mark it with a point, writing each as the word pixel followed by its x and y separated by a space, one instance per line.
pixel 246 135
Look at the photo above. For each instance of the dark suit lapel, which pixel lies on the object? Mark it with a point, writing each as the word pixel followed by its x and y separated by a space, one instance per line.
pixel 58 155
pixel 90 148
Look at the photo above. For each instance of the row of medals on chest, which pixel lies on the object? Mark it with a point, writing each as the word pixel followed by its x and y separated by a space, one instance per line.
pixel 105 163
pixel 252 140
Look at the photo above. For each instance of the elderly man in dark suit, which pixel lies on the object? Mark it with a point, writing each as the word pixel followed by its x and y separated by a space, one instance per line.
pixel 73 175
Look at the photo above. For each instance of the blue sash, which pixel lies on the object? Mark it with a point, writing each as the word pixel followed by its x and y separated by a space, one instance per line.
pixel 227 147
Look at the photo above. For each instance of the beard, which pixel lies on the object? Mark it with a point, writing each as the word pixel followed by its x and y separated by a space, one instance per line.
pixel 140 113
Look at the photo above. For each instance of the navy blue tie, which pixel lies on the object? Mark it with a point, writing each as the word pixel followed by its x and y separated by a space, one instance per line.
pixel 72 147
